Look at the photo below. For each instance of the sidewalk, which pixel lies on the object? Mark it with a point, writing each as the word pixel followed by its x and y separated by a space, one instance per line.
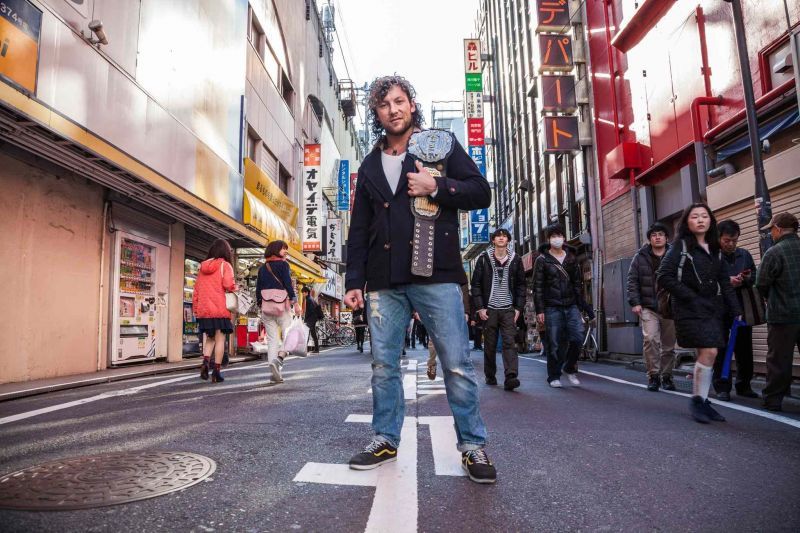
pixel 10 391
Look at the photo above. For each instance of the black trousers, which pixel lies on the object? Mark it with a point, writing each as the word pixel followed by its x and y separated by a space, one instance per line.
pixel 477 337
pixel 743 352
pixel 501 320
pixel 312 326
pixel 781 340
pixel 360 332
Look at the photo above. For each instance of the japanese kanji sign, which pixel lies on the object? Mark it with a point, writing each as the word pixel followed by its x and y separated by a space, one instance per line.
pixel 474 82
pixel 312 199
pixel 558 94
pixel 561 134
pixel 343 192
pixel 474 104
pixel 478 154
pixel 475 132
pixel 552 15
pixel 479 226
pixel 472 55
pixel 333 244
pixel 555 53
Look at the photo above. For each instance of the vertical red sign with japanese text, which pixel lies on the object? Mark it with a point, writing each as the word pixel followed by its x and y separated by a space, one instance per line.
pixel 312 199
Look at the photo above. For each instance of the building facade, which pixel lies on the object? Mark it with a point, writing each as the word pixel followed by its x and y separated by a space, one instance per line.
pixel 670 124
pixel 132 134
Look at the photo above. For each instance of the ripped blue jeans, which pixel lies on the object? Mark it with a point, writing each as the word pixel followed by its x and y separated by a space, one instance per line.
pixel 441 310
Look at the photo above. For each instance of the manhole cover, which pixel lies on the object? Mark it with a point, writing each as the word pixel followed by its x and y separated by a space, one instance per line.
pixel 100 480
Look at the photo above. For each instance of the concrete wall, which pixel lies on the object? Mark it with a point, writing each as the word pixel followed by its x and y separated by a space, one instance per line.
pixel 50 267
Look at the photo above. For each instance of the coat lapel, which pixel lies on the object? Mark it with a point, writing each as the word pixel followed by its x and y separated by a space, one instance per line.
pixel 408 166
pixel 378 177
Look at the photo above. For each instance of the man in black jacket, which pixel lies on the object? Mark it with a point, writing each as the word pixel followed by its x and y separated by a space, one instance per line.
pixel 498 293
pixel 658 332
pixel 312 315
pixel 557 294
pixel 403 251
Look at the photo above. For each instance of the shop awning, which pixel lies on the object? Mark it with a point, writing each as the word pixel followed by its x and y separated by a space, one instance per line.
pixel 306 270
pixel 263 219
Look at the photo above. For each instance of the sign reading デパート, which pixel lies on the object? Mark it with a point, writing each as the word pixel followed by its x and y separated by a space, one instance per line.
pixel 20 24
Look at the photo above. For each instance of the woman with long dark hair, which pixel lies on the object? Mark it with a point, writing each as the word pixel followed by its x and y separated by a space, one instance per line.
pixel 214 279
pixel 700 296
pixel 274 274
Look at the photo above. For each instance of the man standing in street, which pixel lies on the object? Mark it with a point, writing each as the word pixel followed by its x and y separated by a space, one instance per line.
pixel 778 280
pixel 312 315
pixel 498 293
pixel 742 272
pixel 658 332
pixel 557 293
pixel 403 250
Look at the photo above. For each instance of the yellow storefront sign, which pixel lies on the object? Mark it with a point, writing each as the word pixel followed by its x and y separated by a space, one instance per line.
pixel 267 191
pixel 20 24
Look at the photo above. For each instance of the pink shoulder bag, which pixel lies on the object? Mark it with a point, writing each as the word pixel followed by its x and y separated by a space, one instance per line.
pixel 274 302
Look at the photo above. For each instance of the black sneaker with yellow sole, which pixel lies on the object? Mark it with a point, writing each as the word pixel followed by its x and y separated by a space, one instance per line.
pixel 478 466
pixel 374 455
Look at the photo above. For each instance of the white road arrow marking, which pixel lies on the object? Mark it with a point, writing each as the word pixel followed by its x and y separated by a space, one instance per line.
pixel 446 457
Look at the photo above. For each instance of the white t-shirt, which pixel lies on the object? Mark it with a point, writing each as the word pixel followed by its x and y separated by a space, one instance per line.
pixel 392 167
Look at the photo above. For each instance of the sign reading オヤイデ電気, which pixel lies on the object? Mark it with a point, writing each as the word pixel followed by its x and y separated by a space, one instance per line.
pixel 20 24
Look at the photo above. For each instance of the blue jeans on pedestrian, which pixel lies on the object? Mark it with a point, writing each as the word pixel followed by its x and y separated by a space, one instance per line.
pixel 441 310
pixel 564 336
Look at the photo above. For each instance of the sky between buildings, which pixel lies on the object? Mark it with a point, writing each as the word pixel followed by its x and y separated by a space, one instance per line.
pixel 421 40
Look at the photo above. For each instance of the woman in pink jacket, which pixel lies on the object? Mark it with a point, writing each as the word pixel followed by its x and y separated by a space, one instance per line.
pixel 213 281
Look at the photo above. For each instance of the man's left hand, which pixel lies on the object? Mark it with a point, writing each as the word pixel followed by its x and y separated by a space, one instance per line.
pixel 421 183
pixel 516 315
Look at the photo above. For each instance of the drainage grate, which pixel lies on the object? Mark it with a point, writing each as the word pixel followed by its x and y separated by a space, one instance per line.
pixel 100 480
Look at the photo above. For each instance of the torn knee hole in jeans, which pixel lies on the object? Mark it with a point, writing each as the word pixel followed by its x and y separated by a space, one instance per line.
pixel 374 306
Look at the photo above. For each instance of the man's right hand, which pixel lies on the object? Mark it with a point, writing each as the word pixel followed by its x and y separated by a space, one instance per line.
pixel 637 310
pixel 540 318
pixel 483 315
pixel 354 299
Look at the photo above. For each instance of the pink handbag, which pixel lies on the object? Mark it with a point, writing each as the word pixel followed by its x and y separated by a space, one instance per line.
pixel 274 302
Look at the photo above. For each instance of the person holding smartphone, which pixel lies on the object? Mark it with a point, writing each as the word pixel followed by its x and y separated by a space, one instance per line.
pixel 742 273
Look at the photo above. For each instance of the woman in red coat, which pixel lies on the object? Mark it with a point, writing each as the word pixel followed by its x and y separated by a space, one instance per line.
pixel 213 281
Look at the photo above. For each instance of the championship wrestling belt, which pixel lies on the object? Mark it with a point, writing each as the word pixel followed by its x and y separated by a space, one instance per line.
pixel 431 148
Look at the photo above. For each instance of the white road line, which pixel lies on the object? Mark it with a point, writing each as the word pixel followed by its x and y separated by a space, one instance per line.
pixel 410 387
pixel 336 474
pixel 764 414
pixel 430 392
pixel 446 457
pixel 359 419
pixel 105 395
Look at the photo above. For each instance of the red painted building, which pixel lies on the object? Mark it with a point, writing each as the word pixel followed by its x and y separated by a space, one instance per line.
pixel 667 89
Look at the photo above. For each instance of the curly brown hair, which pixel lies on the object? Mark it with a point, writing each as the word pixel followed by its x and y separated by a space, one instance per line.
pixel 378 90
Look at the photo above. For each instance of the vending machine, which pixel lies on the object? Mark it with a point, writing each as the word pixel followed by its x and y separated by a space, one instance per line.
pixel 139 299
pixel 191 330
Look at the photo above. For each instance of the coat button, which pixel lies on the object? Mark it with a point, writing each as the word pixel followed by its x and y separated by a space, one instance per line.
pixel 452 190
pixel 386 205
pixel 411 243
pixel 387 246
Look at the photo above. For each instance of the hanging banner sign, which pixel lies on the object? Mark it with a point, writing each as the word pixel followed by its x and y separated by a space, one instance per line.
pixel 343 193
pixel 312 199
pixel 474 105
pixel 479 226
pixel 478 154
pixel 333 244
pixel 475 132
pixel 558 94
pixel 20 26
pixel 555 53
pixel 472 55
pixel 353 181
pixel 463 226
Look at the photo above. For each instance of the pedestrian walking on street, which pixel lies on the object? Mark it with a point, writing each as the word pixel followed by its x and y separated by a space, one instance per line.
pixel 742 274
pixel 778 280
pixel 701 298
pixel 658 331
pixel 274 278
pixel 498 293
pixel 557 295
pixel 312 315
pixel 403 249
pixel 360 325
pixel 214 279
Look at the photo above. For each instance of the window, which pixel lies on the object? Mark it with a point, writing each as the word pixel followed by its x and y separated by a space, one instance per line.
pixel 287 91
pixel 253 145
pixel 255 34
pixel 284 178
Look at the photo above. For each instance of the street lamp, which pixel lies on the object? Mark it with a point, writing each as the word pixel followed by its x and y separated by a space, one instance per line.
pixel 762 200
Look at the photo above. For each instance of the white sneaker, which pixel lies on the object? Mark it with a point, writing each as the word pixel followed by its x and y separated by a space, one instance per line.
pixel 275 369
pixel 556 384
pixel 573 380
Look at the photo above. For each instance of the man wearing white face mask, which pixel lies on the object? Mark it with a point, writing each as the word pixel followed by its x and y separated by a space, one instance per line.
pixel 557 293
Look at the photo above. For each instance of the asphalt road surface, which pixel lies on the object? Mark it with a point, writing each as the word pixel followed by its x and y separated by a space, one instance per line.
pixel 607 456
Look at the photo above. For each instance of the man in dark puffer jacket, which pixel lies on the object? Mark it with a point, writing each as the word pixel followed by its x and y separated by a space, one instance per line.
pixel 657 331
pixel 557 294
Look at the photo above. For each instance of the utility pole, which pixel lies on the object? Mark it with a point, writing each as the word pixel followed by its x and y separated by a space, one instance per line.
pixel 762 199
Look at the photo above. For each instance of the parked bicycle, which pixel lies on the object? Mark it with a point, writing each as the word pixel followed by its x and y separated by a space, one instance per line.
pixel 332 333
pixel 589 349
